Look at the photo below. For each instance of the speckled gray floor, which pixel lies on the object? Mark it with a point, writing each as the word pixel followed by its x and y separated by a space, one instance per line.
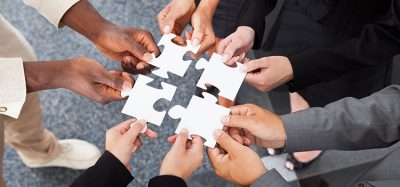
pixel 71 116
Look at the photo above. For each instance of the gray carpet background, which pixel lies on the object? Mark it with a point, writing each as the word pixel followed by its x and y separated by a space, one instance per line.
pixel 71 116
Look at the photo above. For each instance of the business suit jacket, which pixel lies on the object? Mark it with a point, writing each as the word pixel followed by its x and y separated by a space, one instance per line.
pixel 349 124
pixel 109 171
pixel 337 48
pixel 14 49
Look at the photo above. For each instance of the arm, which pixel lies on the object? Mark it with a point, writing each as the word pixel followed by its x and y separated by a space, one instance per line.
pixel 348 124
pixel 377 43
pixel 108 171
pixel 253 15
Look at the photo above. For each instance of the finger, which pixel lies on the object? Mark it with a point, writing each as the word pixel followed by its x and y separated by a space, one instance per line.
pixel 253 65
pixel 123 126
pixel 115 81
pixel 232 61
pixel 169 22
pixel 146 39
pixel 134 131
pixel 161 19
pixel 207 42
pixel 172 139
pixel 214 155
pixel 179 40
pixel 188 35
pixel 235 134
pixel 150 133
pixel 180 142
pixel 222 45
pixel 197 144
pixel 198 31
pixel 226 142
pixel 237 121
pixel 231 49
pixel 137 49
pixel 137 144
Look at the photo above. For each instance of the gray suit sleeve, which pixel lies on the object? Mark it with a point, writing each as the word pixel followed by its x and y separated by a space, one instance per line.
pixel 348 124
pixel 271 178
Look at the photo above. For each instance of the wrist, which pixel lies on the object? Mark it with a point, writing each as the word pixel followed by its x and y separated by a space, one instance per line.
pixel 42 75
pixel 208 7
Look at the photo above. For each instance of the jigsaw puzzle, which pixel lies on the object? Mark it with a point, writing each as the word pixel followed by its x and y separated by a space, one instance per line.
pixel 142 98
pixel 201 117
pixel 171 59
pixel 227 79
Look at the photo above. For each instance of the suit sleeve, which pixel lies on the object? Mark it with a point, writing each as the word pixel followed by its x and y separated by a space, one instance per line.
pixel 253 15
pixel 52 10
pixel 348 124
pixel 12 86
pixel 271 178
pixel 108 171
pixel 376 44
pixel 167 181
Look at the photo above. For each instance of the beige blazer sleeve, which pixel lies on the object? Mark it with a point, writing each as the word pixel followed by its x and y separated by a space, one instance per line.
pixel 12 86
pixel 53 10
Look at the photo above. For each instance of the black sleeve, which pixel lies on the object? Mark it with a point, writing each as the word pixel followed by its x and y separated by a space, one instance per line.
pixel 253 15
pixel 167 181
pixel 108 171
pixel 376 44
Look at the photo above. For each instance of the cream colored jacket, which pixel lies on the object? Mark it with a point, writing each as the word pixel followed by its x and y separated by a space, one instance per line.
pixel 14 49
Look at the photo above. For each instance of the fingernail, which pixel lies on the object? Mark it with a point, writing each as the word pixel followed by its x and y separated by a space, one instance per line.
pixel 134 149
pixel 195 42
pixel 225 119
pixel 225 57
pixel 147 57
pixel 244 68
pixel 184 130
pixel 167 29
pixel 217 133
pixel 126 86
pixel 142 121
pixel 140 66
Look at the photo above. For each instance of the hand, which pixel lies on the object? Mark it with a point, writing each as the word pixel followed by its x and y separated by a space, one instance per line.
pixel 131 46
pixel 88 78
pixel 236 44
pixel 240 165
pixel 174 18
pixel 123 139
pixel 250 124
pixel 184 157
pixel 202 33
pixel 268 73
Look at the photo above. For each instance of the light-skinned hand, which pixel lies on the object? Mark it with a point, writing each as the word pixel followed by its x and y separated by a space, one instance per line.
pixel 184 157
pixel 236 44
pixel 250 124
pixel 123 139
pixel 239 164
pixel 268 73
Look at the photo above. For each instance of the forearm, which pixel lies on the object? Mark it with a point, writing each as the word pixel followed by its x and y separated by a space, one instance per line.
pixel 85 19
pixel 208 6
pixel 44 75
pixel 348 124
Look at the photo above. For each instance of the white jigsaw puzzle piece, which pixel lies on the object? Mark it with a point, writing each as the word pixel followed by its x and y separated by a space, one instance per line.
pixel 201 117
pixel 227 79
pixel 142 98
pixel 171 59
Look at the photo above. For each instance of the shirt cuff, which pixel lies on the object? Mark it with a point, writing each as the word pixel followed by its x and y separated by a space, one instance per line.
pixel 52 10
pixel 271 178
pixel 12 86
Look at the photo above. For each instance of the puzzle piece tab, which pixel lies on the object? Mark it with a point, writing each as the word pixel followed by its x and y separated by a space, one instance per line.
pixel 142 98
pixel 171 59
pixel 201 117
pixel 227 79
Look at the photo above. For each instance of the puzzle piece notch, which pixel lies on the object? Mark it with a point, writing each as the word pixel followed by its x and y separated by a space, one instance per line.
pixel 201 117
pixel 171 59
pixel 142 98
pixel 227 79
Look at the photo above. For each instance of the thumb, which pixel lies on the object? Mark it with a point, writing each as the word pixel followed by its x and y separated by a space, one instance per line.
pixel 116 81
pixel 198 33
pixel 253 65
pixel 227 142
pixel 134 131
pixel 169 22
pixel 244 122
pixel 180 142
